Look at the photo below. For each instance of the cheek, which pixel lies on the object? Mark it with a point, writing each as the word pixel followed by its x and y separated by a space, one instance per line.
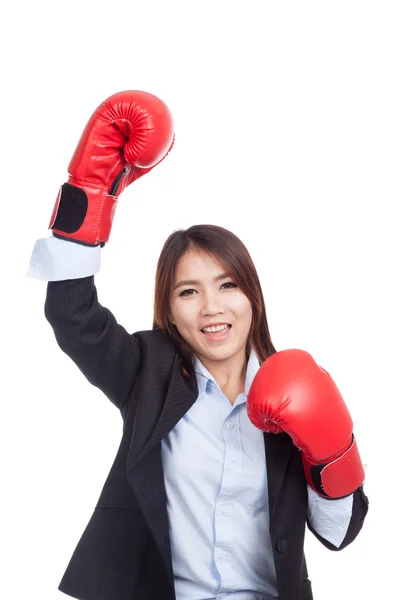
pixel 183 313
pixel 244 313
pixel 242 307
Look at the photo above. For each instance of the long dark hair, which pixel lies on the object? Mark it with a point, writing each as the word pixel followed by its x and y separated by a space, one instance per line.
pixel 225 247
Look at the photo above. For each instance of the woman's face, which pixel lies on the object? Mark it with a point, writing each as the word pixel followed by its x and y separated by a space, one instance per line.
pixel 209 296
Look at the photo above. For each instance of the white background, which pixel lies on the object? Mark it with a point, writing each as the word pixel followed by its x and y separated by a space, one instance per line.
pixel 287 132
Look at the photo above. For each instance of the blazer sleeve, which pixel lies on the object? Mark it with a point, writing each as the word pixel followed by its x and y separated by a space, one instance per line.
pixel 359 512
pixel 108 356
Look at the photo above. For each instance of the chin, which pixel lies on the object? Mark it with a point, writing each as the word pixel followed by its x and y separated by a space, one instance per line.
pixel 221 353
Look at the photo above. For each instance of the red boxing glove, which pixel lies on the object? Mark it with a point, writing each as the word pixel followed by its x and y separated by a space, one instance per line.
pixel 126 136
pixel 291 393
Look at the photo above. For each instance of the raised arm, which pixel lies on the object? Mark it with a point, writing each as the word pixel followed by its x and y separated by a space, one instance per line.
pixel 89 334
pixel 127 135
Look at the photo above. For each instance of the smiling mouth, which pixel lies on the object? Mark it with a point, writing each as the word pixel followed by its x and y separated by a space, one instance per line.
pixel 216 335
pixel 228 324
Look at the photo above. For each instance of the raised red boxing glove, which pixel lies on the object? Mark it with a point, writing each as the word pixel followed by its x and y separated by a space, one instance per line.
pixel 127 136
pixel 291 393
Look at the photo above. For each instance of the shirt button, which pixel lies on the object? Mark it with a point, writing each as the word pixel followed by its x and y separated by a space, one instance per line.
pixel 230 425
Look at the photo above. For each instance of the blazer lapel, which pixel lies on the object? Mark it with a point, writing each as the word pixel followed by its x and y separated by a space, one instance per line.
pixel 159 411
pixel 156 415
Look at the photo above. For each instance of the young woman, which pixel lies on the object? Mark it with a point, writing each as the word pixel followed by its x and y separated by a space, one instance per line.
pixel 226 454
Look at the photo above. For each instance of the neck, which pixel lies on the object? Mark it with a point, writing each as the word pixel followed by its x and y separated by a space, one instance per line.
pixel 229 373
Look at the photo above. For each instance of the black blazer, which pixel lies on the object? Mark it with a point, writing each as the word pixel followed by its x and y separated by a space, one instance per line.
pixel 124 552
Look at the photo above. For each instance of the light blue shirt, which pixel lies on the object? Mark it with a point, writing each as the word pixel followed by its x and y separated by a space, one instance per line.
pixel 215 475
pixel 216 482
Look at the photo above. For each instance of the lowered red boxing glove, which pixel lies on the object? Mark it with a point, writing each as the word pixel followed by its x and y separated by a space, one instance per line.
pixel 291 393
pixel 126 136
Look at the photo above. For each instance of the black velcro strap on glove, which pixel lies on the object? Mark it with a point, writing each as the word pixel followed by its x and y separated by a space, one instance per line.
pixel 72 209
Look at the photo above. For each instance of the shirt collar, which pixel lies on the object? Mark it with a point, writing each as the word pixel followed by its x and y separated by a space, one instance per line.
pixel 203 375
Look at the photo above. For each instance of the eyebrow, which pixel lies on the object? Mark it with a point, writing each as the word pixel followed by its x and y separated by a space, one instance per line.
pixel 195 282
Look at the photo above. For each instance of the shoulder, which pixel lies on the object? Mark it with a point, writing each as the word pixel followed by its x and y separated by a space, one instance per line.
pixel 155 340
pixel 160 359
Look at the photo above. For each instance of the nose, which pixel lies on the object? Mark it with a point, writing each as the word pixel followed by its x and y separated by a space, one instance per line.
pixel 212 304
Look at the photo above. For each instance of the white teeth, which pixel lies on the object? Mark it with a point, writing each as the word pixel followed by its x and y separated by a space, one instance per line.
pixel 215 329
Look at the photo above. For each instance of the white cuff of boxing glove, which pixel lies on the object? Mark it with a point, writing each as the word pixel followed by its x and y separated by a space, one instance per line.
pixel 330 518
pixel 54 259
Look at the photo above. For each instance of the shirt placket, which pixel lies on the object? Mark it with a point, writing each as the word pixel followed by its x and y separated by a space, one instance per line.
pixel 229 488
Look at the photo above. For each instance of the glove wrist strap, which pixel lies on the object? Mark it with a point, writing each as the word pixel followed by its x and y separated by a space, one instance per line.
pixel 83 212
pixel 338 478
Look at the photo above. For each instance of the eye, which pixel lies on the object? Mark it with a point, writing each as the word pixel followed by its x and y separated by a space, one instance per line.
pixel 230 283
